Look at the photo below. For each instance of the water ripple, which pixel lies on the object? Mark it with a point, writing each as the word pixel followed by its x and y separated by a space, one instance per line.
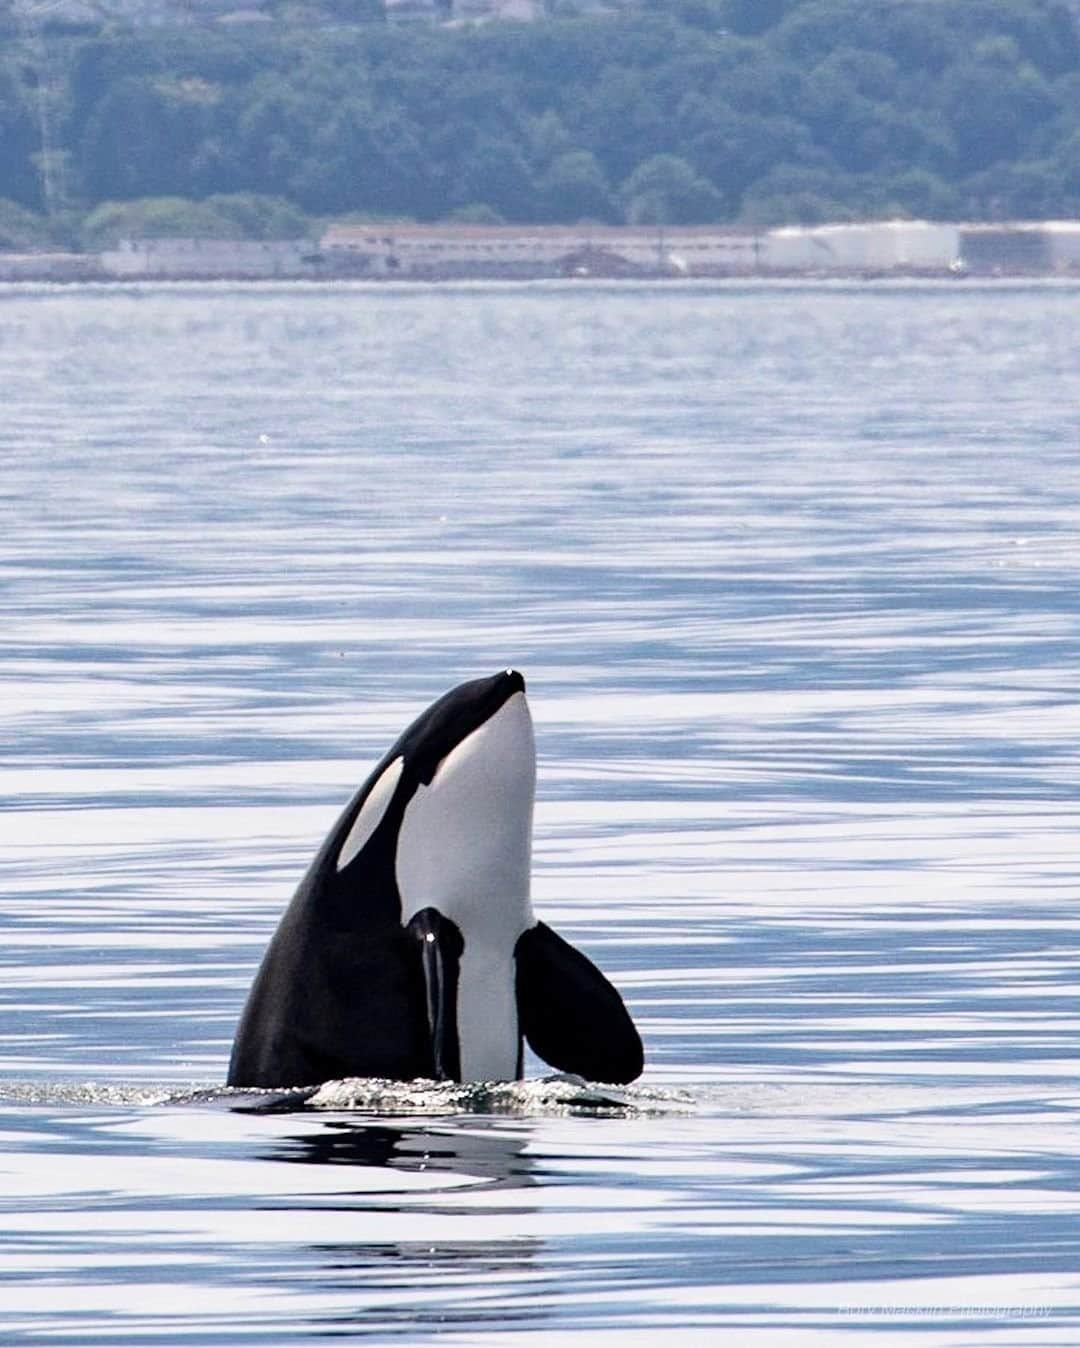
pixel 793 572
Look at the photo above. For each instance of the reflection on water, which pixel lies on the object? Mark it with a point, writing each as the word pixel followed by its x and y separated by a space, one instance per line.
pixel 482 1151
pixel 788 1207
pixel 792 571
pixel 429 1281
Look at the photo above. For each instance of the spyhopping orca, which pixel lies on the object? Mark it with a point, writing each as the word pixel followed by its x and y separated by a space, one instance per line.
pixel 410 948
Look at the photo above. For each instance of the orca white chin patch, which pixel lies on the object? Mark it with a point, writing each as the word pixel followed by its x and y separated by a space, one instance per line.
pixel 464 849
pixel 466 839
pixel 370 814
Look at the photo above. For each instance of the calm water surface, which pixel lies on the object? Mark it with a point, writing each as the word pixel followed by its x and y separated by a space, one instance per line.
pixel 794 574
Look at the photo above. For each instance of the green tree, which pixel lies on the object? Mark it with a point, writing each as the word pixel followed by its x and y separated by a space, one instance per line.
pixel 752 17
pixel 924 195
pixel 757 80
pixel 476 213
pixel 1028 190
pixel 915 36
pixel 618 121
pixel 993 103
pixel 1066 166
pixel 1044 31
pixel 791 194
pixel 547 139
pixel 495 172
pixel 140 140
pixel 274 136
pixel 576 188
pixel 708 14
pixel 153 218
pixel 748 106
pixel 665 190
pixel 358 11
pixel 21 230
pixel 18 142
pixel 259 217
pixel 734 151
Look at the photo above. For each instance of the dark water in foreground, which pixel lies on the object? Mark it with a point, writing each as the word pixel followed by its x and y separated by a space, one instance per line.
pixel 793 573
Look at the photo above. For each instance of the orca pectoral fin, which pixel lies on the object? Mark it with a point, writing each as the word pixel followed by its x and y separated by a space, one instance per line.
pixel 570 1014
pixel 440 947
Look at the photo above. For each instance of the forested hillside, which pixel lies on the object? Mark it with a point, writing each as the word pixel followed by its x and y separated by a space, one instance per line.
pixel 756 111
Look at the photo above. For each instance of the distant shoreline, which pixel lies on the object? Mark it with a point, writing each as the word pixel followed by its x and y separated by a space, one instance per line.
pixel 801 280
pixel 406 252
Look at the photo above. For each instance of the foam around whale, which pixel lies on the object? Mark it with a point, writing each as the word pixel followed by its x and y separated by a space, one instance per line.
pixel 542 1097
pixel 545 1096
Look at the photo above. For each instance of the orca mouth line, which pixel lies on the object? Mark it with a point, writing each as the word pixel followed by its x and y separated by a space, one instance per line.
pixel 485 725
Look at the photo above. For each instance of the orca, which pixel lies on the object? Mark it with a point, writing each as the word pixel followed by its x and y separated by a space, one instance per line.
pixel 411 948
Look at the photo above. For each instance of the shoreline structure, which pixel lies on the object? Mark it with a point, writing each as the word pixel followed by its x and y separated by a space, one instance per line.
pixel 445 252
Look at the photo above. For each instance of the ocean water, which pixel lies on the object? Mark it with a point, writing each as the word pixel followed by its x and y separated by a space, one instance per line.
pixel 793 572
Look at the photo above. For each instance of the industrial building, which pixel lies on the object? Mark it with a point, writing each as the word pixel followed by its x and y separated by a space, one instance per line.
pixel 451 251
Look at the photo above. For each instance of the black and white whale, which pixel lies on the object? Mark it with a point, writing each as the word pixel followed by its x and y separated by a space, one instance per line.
pixel 411 948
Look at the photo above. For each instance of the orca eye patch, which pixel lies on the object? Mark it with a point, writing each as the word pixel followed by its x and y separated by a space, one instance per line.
pixel 371 813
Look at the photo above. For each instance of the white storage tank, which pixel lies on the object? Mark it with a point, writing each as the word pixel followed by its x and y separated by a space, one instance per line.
pixel 873 246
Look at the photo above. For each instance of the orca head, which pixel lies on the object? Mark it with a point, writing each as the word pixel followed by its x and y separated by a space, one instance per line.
pixel 466 836
pixel 452 804
pixel 440 840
